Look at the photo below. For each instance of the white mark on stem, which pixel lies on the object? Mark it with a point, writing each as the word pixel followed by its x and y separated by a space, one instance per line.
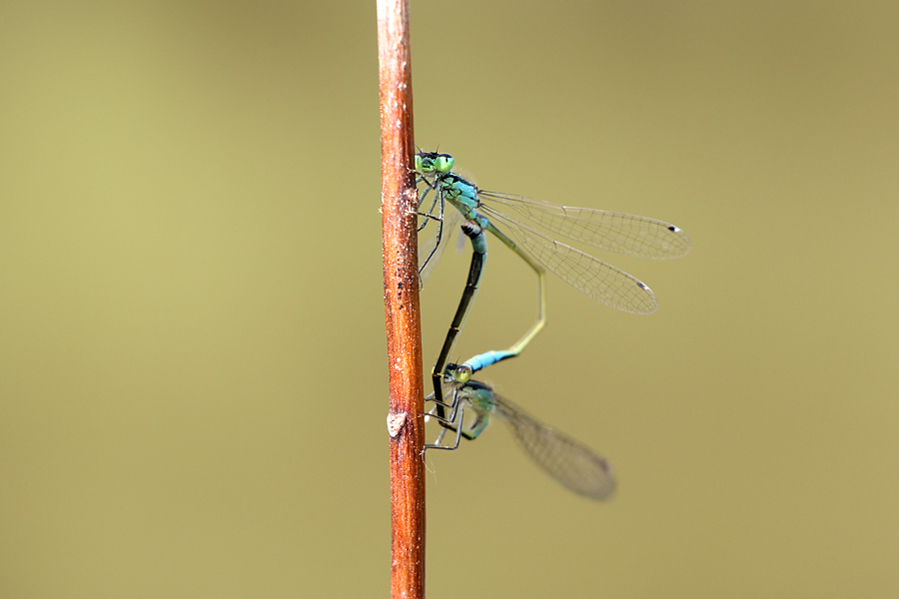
pixel 394 423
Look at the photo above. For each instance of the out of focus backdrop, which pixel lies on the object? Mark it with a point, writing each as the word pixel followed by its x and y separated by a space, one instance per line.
pixel 192 356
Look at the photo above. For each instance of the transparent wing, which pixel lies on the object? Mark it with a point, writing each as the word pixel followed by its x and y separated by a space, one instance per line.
pixel 613 231
pixel 574 465
pixel 591 276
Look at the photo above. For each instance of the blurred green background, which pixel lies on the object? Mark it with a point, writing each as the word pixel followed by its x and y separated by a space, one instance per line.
pixel 192 357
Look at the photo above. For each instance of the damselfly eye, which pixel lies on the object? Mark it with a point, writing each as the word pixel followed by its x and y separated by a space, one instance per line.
pixel 461 374
pixel 444 163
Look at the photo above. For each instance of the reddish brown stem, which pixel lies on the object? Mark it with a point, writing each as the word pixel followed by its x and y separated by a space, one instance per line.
pixel 399 207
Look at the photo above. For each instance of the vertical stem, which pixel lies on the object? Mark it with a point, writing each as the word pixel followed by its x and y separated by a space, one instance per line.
pixel 399 206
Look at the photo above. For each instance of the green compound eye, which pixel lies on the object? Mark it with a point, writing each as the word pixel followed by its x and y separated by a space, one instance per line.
pixel 418 162
pixel 444 163
pixel 461 374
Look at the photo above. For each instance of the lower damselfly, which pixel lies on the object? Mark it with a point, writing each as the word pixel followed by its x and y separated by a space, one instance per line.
pixel 571 463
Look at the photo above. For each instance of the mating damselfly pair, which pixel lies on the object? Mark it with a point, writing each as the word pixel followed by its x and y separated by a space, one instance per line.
pixel 570 462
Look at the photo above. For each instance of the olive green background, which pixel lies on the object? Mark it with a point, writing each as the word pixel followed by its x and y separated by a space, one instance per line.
pixel 192 359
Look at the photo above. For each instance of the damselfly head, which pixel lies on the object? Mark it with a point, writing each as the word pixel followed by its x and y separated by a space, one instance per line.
pixel 432 162
pixel 458 374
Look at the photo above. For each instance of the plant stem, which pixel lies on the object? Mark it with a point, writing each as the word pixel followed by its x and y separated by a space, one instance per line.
pixel 399 207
